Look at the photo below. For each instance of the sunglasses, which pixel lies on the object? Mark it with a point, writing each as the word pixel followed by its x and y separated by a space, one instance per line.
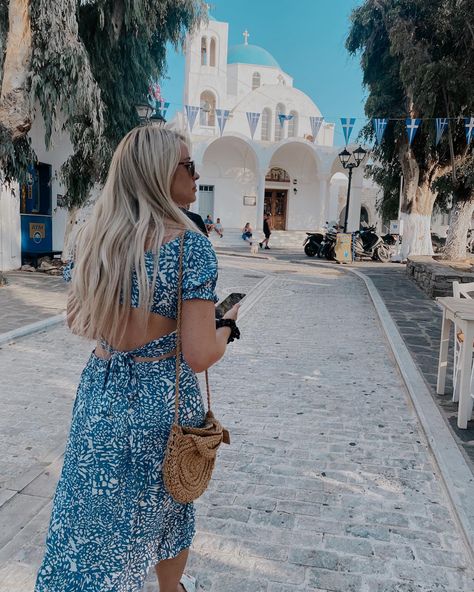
pixel 189 164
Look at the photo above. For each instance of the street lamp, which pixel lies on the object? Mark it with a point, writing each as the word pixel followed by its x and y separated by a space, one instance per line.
pixel 149 116
pixel 346 160
pixel 144 110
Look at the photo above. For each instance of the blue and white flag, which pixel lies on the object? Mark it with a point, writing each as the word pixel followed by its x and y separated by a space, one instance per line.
pixel 222 117
pixel 252 118
pixel 412 128
pixel 164 106
pixel 316 123
pixel 347 127
pixel 191 114
pixel 282 117
pixel 469 126
pixel 441 127
pixel 380 125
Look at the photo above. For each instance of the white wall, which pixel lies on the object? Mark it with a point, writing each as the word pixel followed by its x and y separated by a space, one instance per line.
pixel 10 228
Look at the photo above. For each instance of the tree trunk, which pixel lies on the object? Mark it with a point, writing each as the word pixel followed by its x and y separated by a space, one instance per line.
pixel 416 208
pixel 15 112
pixel 70 235
pixel 459 224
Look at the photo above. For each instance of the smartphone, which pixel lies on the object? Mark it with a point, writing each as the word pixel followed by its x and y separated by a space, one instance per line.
pixel 228 302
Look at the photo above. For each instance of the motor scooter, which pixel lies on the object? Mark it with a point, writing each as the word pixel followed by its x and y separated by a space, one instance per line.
pixel 328 245
pixel 312 243
pixel 369 245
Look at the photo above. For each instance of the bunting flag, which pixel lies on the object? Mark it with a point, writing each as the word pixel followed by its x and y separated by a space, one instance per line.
pixel 191 114
pixel 441 127
pixel 222 117
pixel 253 119
pixel 164 106
pixel 316 123
pixel 282 117
pixel 380 125
pixel 412 128
pixel 469 126
pixel 347 127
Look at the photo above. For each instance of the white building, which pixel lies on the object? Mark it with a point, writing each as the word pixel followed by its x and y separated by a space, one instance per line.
pixel 282 169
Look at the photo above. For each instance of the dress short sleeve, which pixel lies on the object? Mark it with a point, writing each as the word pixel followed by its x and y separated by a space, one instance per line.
pixel 199 268
pixel 67 271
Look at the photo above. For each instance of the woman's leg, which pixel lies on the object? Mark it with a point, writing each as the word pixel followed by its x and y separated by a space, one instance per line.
pixel 169 572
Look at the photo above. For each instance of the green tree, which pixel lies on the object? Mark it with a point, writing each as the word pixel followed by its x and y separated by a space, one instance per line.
pixel 85 64
pixel 413 67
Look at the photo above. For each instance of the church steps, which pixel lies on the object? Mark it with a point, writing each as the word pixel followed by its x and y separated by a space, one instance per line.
pixel 280 239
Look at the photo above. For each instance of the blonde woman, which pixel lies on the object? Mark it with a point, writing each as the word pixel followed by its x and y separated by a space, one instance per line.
pixel 112 518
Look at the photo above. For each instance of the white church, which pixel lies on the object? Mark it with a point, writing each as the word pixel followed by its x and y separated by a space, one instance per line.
pixel 260 144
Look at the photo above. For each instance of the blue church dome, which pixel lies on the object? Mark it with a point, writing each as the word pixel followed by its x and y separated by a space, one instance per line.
pixel 251 54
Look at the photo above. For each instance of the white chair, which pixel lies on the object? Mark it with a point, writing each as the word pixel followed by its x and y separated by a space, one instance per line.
pixel 459 291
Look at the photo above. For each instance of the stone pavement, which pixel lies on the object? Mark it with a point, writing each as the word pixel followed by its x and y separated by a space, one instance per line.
pixel 30 297
pixel 328 485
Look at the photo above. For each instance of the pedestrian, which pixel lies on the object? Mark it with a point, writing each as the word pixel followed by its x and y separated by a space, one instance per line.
pixel 219 228
pixel 267 229
pixel 196 218
pixel 209 223
pixel 112 517
pixel 247 233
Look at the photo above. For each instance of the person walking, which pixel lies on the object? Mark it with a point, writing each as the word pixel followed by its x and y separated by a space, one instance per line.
pixel 267 230
pixel 112 518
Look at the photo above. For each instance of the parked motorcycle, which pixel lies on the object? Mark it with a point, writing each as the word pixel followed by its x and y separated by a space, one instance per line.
pixel 328 246
pixel 390 239
pixel 369 245
pixel 312 243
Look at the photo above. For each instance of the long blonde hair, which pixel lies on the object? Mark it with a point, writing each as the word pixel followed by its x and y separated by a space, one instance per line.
pixel 128 217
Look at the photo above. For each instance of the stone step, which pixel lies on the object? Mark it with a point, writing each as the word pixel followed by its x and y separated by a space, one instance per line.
pixel 282 239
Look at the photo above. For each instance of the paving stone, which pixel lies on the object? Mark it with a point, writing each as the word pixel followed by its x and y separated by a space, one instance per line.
pixel 327 481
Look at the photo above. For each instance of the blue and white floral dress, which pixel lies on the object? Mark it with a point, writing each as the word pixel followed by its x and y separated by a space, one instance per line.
pixel 112 518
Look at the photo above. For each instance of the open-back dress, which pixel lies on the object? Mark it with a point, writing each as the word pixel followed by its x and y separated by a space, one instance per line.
pixel 112 517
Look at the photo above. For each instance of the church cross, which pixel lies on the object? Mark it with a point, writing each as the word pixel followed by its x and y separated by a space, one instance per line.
pixel 246 35
pixel 413 126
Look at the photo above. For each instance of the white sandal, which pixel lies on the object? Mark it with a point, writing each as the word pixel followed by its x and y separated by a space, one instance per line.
pixel 189 583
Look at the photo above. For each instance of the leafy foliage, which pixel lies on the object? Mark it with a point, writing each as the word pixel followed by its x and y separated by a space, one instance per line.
pixel 416 57
pixel 91 63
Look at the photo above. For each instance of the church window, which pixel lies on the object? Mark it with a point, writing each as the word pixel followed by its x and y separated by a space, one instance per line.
pixel 203 51
pixel 212 57
pixel 207 116
pixel 256 80
pixel 279 127
pixel 266 125
pixel 293 125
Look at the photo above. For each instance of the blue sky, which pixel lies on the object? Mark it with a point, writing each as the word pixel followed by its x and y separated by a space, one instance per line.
pixel 307 38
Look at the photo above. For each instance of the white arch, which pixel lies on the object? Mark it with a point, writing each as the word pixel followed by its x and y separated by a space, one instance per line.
pixel 293 124
pixel 213 53
pixel 266 132
pixel 279 128
pixel 207 104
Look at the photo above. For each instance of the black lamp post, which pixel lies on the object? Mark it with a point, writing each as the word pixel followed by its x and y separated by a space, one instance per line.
pixel 347 163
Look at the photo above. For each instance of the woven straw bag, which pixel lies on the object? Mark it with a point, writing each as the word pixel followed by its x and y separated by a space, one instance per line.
pixel 191 452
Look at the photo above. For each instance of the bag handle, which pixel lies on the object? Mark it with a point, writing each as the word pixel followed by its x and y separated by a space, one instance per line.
pixel 178 336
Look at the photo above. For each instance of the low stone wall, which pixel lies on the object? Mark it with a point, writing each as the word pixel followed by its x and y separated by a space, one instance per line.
pixel 436 278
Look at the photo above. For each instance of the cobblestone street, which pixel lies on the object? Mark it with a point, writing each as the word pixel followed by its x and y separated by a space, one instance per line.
pixel 329 484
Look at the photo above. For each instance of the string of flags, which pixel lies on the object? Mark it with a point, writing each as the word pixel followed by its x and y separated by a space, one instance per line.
pixel 347 123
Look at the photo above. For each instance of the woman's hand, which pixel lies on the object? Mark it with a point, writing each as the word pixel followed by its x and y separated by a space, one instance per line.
pixel 233 313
